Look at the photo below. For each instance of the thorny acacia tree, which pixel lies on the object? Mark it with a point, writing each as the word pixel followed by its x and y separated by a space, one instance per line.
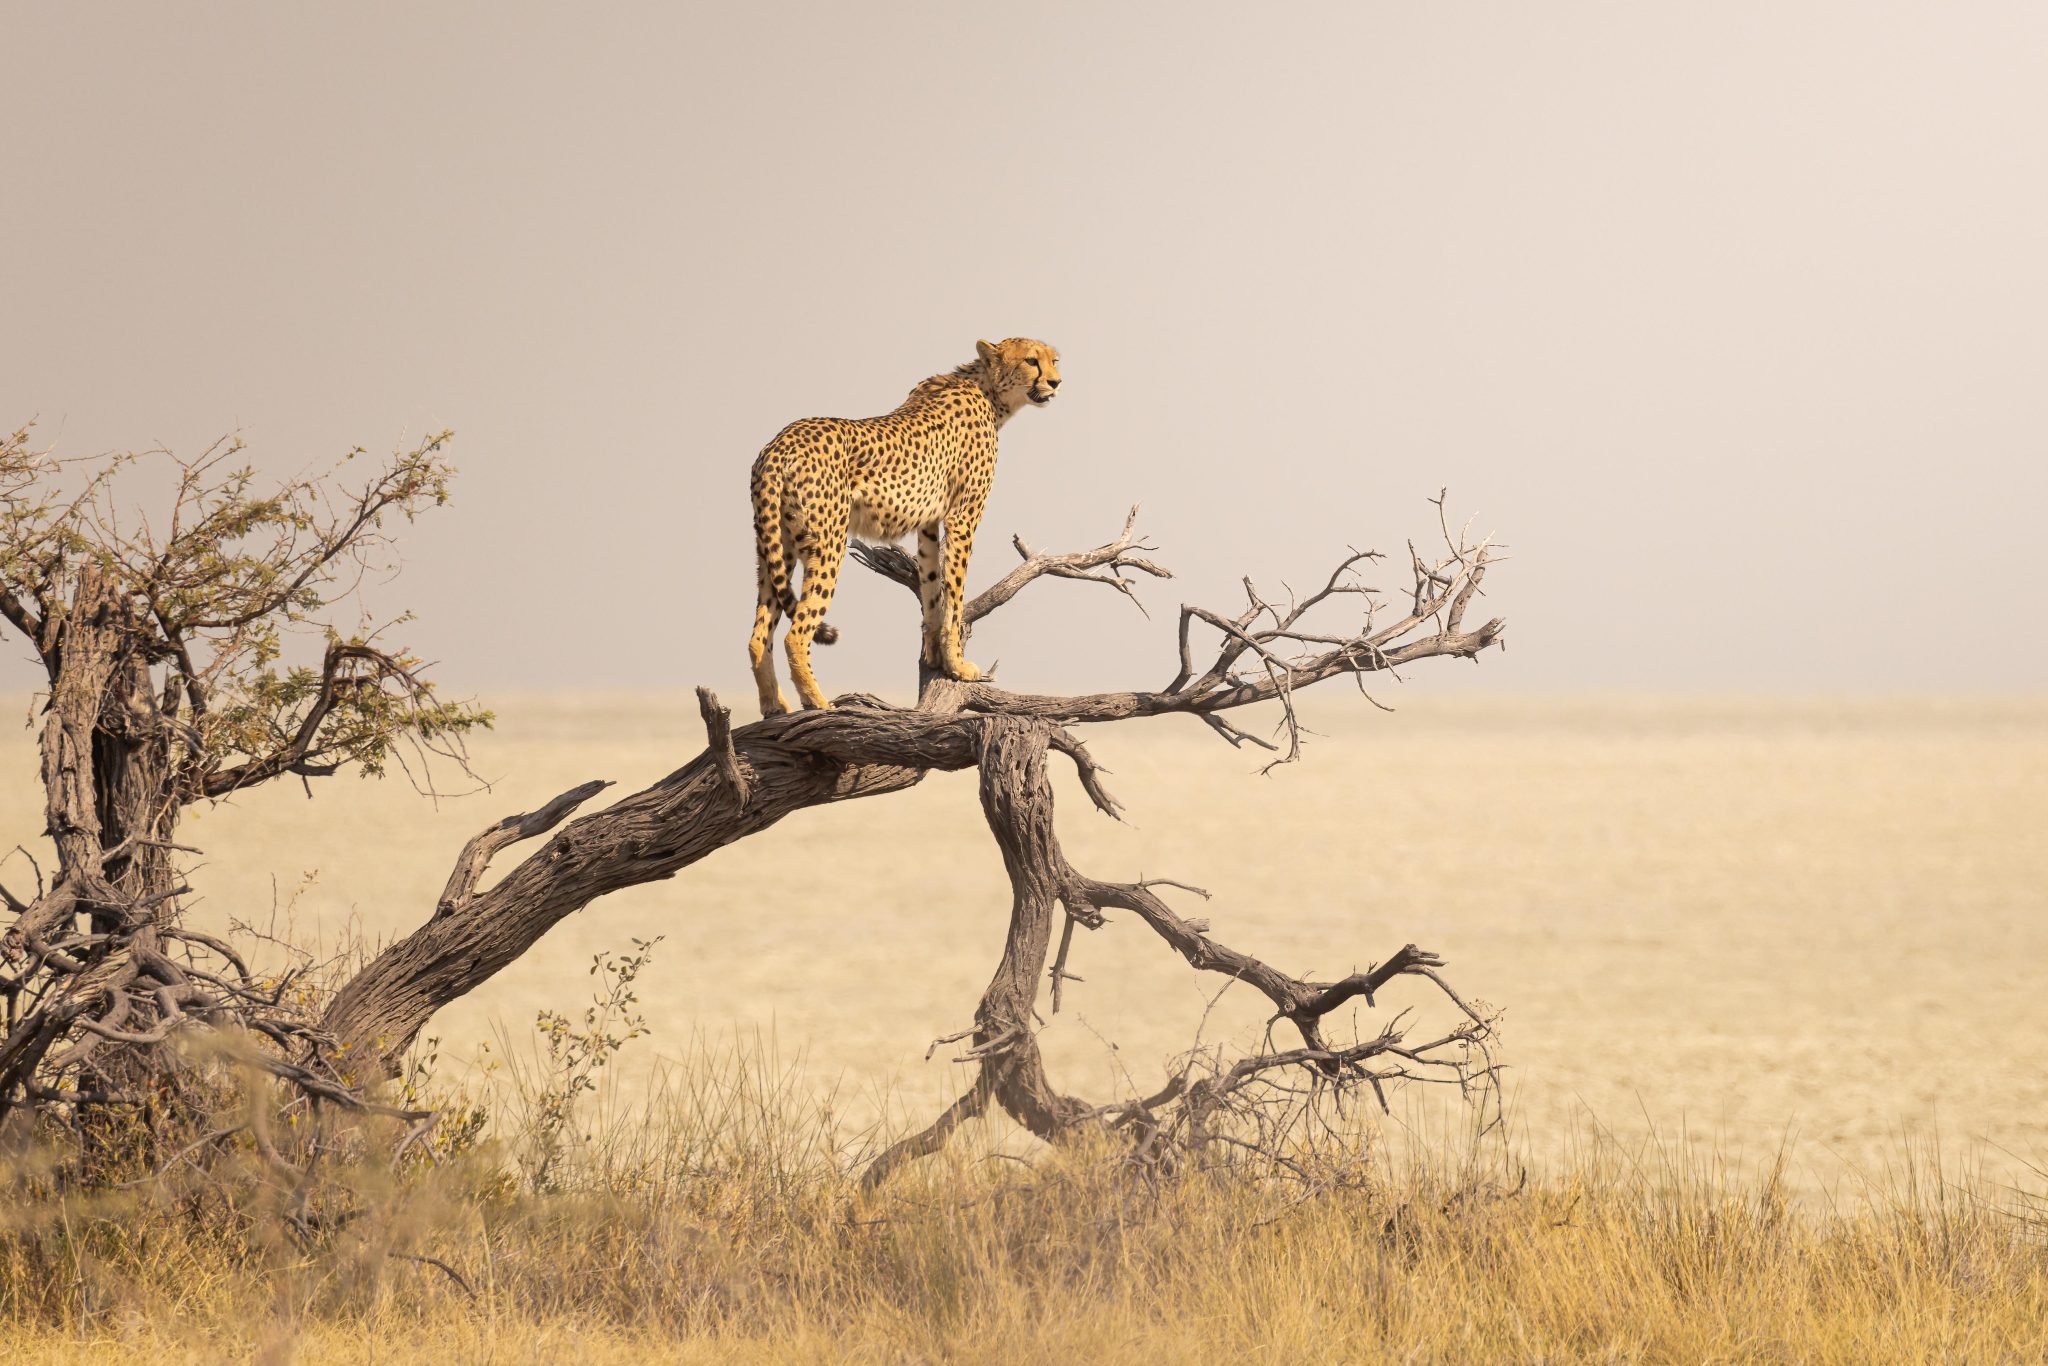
pixel 132 976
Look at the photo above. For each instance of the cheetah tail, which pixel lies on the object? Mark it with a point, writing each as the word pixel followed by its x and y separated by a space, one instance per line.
pixel 827 633
pixel 774 555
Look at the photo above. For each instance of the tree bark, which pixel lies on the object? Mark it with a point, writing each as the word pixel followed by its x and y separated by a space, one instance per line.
pixel 108 808
pixel 1017 799
pixel 789 763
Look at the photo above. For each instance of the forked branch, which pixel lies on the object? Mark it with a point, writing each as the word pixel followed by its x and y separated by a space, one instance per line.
pixel 1184 1117
pixel 1107 563
pixel 477 854
pixel 1271 649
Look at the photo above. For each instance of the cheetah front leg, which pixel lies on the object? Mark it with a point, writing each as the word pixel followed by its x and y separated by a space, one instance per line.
pixel 960 526
pixel 931 595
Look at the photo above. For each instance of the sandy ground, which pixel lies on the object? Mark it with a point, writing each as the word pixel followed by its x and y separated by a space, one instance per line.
pixel 1737 920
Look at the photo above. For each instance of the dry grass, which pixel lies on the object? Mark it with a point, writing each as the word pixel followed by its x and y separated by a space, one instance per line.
pixel 720 1222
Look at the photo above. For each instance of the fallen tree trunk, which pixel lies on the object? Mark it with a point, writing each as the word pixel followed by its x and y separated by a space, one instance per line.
pixel 786 764
pixel 752 776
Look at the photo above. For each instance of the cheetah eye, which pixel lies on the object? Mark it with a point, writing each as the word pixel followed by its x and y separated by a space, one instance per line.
pixel 1031 361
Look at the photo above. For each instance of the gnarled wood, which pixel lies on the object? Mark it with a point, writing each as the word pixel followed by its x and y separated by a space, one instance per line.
pixel 160 637
pixel 790 762
pixel 752 776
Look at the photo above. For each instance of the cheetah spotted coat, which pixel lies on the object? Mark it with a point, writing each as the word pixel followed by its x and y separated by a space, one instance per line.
pixel 926 467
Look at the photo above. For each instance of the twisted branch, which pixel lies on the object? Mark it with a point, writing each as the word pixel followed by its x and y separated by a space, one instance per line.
pixel 1176 1123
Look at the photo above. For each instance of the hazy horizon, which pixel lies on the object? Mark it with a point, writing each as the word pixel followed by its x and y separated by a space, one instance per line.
pixel 1728 320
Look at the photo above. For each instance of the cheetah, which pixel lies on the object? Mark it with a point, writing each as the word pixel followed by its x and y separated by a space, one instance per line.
pixel 927 467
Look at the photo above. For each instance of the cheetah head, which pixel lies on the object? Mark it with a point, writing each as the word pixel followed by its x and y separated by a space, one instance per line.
pixel 1019 368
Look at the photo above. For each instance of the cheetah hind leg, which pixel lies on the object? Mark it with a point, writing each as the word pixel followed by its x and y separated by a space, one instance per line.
pixel 761 654
pixel 821 576
pixel 761 646
pixel 827 634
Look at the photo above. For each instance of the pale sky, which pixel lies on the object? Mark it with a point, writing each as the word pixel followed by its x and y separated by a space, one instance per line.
pixel 1732 319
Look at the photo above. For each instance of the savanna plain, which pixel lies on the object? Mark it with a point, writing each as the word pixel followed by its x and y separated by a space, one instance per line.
pixel 1770 983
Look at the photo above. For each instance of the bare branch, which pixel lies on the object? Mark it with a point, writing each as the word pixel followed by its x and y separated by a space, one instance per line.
pixel 477 854
pixel 1017 801
pixel 930 1139
pixel 1289 655
pixel 1105 564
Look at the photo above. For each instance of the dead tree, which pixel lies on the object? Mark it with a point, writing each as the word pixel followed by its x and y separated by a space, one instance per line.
pixel 166 653
pixel 165 688
pixel 750 777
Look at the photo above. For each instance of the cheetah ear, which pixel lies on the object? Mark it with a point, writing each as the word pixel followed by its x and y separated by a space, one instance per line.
pixel 987 352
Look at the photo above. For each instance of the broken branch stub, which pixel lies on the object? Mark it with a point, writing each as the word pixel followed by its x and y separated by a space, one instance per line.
pixel 477 854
